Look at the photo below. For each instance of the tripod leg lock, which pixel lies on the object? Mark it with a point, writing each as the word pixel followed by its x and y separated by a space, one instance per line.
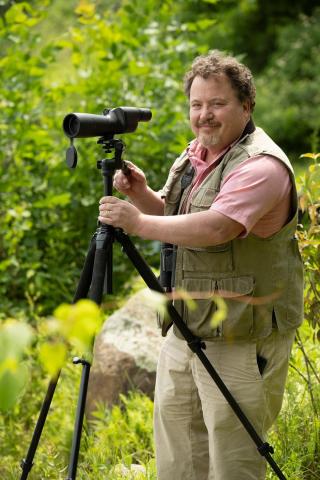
pixel 265 449
pixel 26 466
pixel 77 360
pixel 196 344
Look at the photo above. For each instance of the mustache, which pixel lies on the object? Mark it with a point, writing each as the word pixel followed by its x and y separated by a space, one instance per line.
pixel 208 123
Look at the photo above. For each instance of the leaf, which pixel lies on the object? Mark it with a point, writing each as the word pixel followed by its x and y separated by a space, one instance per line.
pixel 79 323
pixel 186 297
pixel 221 313
pixel 155 299
pixel 314 156
pixel 302 202
pixel 11 385
pixel 205 23
pixel 85 9
pixel 16 14
pixel 52 357
pixel 52 200
pixel 15 337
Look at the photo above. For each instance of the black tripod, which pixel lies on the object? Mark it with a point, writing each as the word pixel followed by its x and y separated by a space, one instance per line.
pixel 97 273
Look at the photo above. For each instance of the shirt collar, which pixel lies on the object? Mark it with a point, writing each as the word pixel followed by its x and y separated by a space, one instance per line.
pixel 197 152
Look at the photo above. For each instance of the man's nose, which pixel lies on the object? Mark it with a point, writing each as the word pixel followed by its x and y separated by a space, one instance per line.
pixel 206 113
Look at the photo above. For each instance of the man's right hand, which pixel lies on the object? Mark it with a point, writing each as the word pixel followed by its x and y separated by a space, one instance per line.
pixel 130 184
pixel 134 185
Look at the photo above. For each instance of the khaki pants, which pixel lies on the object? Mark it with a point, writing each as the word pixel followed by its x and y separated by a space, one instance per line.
pixel 197 435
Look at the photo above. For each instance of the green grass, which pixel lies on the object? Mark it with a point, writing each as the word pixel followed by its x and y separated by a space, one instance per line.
pixel 122 436
pixel 296 434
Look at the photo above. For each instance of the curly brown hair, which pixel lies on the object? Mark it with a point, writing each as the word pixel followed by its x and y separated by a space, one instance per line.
pixel 216 63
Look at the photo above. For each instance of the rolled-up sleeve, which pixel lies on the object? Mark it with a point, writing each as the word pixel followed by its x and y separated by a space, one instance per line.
pixel 257 190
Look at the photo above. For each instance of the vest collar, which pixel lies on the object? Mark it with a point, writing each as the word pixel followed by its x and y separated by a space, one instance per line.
pixel 248 129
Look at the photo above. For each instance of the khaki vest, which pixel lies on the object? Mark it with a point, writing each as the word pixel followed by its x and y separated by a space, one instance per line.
pixel 260 279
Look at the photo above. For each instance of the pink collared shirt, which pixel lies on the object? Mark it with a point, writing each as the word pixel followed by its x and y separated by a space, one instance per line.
pixel 256 194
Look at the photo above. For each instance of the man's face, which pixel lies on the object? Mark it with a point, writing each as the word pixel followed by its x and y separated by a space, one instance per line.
pixel 217 117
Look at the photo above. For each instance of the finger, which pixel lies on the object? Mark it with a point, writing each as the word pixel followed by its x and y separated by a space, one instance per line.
pixel 130 164
pixel 105 213
pixel 133 169
pixel 126 170
pixel 103 219
pixel 137 172
pixel 104 208
pixel 107 207
pixel 120 180
pixel 119 175
pixel 108 199
pixel 121 183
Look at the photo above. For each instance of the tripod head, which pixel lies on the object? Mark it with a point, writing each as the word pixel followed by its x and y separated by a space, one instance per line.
pixel 111 164
pixel 108 144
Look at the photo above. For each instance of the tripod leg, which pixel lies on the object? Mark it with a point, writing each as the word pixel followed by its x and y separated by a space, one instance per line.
pixel 151 280
pixel 86 274
pixel 81 292
pixel 104 240
pixel 197 346
pixel 102 264
pixel 27 463
pixel 73 463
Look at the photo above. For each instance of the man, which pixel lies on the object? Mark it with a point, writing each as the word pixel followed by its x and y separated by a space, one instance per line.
pixel 234 226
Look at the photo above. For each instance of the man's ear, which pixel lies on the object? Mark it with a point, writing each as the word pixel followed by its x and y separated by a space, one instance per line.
pixel 247 107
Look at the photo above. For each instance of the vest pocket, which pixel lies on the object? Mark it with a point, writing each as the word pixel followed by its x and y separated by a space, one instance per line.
pixel 237 292
pixel 218 257
pixel 198 317
pixel 203 198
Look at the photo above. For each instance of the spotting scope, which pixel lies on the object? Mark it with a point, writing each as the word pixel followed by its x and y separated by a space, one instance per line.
pixel 113 121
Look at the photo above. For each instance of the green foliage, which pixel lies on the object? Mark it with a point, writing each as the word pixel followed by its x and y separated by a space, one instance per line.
pixel 279 41
pixel 33 195
pixel 15 338
pixel 107 60
pixel 113 437
pixel 296 435
pixel 132 53
pixel 250 28
pixel 123 435
pixel 17 425
pixel 73 326
pixel 309 239
pixel 288 93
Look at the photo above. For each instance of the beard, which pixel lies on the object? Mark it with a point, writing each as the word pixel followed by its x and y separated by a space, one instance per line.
pixel 208 139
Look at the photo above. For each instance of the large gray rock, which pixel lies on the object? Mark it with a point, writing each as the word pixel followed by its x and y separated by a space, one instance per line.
pixel 126 352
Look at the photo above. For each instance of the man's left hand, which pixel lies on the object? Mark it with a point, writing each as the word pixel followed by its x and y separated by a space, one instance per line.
pixel 120 213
